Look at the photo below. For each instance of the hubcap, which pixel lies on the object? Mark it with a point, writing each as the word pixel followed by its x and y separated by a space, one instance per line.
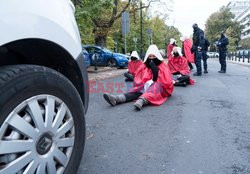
pixel 44 144
pixel 112 63
pixel 37 137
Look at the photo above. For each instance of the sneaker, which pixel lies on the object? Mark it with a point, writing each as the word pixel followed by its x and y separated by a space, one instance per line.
pixel 221 71
pixel 205 72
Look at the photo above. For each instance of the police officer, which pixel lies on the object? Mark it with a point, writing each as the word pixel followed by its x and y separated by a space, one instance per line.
pixel 197 49
pixel 222 46
pixel 205 56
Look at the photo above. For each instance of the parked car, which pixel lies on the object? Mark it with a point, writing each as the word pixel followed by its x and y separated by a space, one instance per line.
pixel 213 54
pixel 241 53
pixel 86 57
pixel 246 53
pixel 106 57
pixel 43 88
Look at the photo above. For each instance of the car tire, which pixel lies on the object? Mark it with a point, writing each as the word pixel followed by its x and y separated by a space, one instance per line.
pixel 112 63
pixel 121 67
pixel 42 124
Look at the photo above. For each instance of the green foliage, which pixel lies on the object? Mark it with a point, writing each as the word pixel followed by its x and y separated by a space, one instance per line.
pixel 85 26
pixel 223 21
pixel 245 43
pixel 101 11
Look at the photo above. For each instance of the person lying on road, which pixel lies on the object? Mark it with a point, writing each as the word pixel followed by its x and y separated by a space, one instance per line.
pixel 134 63
pixel 152 83
pixel 178 66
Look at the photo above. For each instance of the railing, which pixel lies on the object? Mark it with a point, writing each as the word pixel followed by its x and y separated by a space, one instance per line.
pixel 234 56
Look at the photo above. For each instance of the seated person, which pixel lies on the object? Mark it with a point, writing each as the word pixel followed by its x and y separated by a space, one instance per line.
pixel 178 66
pixel 133 65
pixel 152 83
pixel 170 47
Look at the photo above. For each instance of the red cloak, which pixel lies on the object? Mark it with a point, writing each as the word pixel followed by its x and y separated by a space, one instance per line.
pixel 187 49
pixel 170 49
pixel 180 64
pixel 133 66
pixel 160 90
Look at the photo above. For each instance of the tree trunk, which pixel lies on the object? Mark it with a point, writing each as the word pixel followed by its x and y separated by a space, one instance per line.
pixel 101 40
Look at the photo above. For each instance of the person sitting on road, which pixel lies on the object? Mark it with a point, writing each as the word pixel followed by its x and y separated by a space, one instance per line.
pixel 178 66
pixel 152 83
pixel 133 65
pixel 171 45
pixel 186 51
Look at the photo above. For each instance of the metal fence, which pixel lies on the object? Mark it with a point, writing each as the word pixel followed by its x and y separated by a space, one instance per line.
pixel 239 57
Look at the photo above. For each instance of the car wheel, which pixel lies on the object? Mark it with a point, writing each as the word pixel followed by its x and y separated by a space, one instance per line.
pixel 112 63
pixel 42 121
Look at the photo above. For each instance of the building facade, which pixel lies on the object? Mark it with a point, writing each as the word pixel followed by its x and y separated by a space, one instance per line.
pixel 244 19
pixel 241 10
pixel 237 7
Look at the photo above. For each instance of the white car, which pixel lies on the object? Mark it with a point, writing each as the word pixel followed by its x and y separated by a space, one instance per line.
pixel 43 88
pixel 213 54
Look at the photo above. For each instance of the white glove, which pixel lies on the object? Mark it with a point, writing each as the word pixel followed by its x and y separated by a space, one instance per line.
pixel 148 84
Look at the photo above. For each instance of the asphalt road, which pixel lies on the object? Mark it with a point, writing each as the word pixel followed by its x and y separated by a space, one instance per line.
pixel 201 129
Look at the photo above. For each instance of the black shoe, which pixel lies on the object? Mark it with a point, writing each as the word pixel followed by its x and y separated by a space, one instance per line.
pixel 184 84
pixel 221 71
pixel 197 74
pixel 205 72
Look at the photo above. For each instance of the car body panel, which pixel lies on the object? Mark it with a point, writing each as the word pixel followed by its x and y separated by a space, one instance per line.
pixel 36 19
pixel 105 55
pixel 44 21
pixel 86 57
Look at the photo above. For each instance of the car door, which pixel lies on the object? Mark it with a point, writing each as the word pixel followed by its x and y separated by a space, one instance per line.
pixel 101 56
pixel 91 52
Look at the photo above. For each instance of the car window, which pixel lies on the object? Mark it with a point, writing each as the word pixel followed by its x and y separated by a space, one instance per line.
pixel 106 50
pixel 91 50
pixel 96 50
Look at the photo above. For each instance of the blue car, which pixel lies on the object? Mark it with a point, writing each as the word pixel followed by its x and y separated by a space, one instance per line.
pixel 86 57
pixel 106 57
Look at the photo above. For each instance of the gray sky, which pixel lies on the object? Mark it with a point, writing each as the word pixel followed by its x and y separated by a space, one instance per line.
pixel 187 12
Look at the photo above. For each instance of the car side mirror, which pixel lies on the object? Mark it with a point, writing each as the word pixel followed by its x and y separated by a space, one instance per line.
pixel 95 56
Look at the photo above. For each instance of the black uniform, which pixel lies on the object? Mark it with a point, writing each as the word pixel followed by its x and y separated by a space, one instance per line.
pixel 204 56
pixel 197 49
pixel 222 46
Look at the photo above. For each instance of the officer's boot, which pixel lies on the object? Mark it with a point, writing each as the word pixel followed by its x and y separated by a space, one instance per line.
pixel 140 102
pixel 114 99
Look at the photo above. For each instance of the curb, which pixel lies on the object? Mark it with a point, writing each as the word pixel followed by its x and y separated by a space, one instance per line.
pixel 100 69
pixel 106 75
pixel 239 63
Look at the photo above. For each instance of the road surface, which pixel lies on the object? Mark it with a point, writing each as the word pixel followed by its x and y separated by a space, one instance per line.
pixel 201 129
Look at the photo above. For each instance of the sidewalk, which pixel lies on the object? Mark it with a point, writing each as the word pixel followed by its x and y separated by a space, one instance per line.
pixel 245 63
pixel 103 73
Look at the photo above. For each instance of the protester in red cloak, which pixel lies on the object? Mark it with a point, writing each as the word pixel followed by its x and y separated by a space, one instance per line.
pixel 171 45
pixel 153 83
pixel 133 65
pixel 186 51
pixel 178 66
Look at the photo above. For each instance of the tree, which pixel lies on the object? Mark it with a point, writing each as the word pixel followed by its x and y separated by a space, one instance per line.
pixel 101 15
pixel 245 43
pixel 223 20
